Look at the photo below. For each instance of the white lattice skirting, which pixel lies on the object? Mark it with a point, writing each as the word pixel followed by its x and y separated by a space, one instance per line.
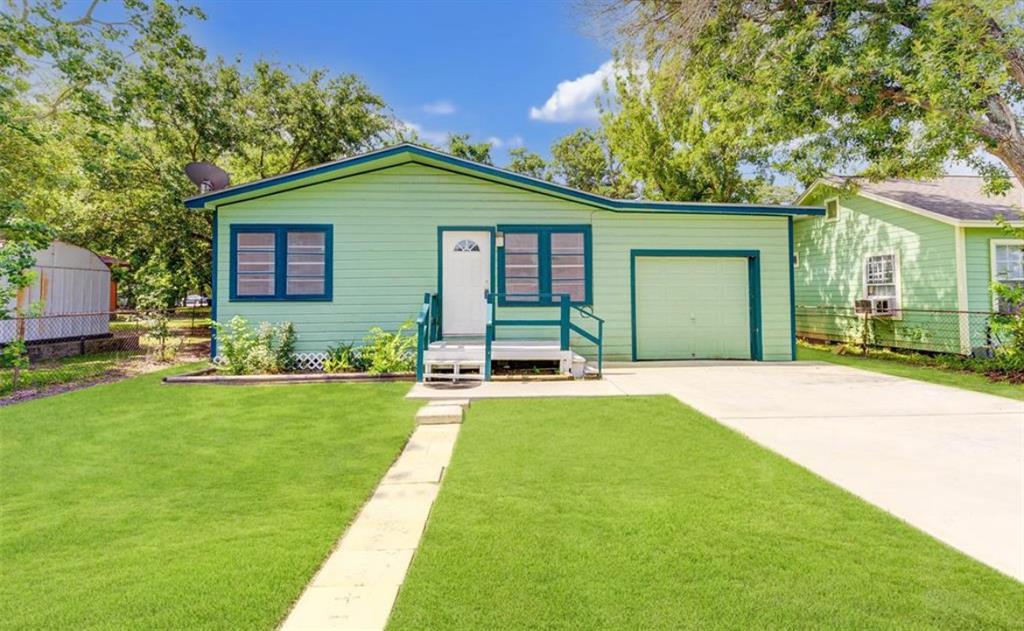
pixel 313 361
pixel 307 361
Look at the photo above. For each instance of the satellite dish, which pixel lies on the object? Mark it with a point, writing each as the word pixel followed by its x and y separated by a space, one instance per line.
pixel 208 177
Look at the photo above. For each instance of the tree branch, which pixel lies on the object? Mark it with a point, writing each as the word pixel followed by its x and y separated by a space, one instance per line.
pixel 87 16
pixel 1014 56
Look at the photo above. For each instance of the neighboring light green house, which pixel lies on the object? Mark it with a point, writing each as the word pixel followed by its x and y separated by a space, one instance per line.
pixel 922 254
pixel 484 256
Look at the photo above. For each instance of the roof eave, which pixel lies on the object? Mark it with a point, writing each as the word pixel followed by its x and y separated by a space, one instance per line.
pixel 426 156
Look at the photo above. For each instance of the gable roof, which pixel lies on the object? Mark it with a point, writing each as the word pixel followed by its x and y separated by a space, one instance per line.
pixel 954 199
pixel 406 153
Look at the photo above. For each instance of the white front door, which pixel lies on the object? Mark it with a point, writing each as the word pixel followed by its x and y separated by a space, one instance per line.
pixel 465 276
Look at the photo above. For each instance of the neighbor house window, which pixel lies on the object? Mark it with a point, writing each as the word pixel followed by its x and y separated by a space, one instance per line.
pixel 537 264
pixel 276 262
pixel 832 209
pixel 1007 269
pixel 882 282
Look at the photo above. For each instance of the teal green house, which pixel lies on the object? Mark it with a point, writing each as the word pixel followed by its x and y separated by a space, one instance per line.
pixel 496 266
pixel 920 255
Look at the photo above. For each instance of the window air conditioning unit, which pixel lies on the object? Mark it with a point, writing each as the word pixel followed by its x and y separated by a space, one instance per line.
pixel 877 306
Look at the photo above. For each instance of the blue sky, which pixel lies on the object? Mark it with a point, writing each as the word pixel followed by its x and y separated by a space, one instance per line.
pixel 487 68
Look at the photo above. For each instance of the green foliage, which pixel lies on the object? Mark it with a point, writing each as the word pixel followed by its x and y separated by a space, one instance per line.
pixel 284 347
pixel 20 238
pixel 891 89
pixel 344 357
pixel 14 355
pixel 265 349
pixel 460 146
pixel 528 163
pixel 583 160
pixel 1003 366
pixel 389 352
pixel 677 148
pixel 97 149
pixel 1009 324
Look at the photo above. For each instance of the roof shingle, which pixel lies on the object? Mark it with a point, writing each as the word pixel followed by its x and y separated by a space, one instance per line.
pixel 955 196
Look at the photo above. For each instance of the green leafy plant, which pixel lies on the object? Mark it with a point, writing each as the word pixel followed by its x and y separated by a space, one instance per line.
pixel 284 351
pixel 19 239
pixel 345 357
pixel 245 351
pixel 388 352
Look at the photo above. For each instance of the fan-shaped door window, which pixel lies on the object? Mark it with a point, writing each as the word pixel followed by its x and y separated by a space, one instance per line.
pixel 467 245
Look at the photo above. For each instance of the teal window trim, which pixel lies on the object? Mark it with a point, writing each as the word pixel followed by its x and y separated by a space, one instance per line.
pixel 544 261
pixel 753 288
pixel 280 232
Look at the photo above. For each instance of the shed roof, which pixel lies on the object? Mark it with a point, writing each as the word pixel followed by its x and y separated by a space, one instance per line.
pixel 958 197
pixel 406 153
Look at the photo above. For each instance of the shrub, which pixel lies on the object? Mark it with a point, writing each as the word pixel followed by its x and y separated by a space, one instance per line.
pixel 344 358
pixel 244 351
pixel 386 352
pixel 284 354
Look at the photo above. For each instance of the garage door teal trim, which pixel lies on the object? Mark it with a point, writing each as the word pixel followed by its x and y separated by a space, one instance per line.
pixel 753 284
pixel 792 290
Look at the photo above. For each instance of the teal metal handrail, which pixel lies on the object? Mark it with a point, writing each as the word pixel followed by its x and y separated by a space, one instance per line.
pixel 564 323
pixel 428 329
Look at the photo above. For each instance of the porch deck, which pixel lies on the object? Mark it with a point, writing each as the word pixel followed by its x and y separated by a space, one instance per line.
pixel 463 358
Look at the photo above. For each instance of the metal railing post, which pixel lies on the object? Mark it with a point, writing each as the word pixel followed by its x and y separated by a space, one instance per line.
pixel 564 302
pixel 488 336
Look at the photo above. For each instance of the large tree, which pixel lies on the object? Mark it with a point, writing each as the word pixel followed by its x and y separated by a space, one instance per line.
pixel 676 148
pixel 461 146
pixel 97 149
pixel 893 88
pixel 528 163
pixel 583 160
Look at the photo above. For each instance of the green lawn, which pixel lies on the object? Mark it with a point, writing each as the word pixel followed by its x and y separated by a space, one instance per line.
pixel 146 506
pixel 65 370
pixel 641 513
pixel 959 379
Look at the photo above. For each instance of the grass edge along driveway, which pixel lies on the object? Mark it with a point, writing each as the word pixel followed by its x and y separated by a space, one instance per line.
pixel 639 512
pixel 142 505
pixel 930 374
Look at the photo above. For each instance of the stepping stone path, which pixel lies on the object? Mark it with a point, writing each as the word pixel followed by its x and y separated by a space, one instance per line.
pixel 357 585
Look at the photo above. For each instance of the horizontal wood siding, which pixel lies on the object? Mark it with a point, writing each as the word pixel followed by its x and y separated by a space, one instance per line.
pixel 978 247
pixel 385 251
pixel 616 234
pixel 831 271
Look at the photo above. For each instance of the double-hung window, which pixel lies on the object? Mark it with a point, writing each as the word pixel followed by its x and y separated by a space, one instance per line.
pixel 882 282
pixel 539 263
pixel 281 262
pixel 1007 269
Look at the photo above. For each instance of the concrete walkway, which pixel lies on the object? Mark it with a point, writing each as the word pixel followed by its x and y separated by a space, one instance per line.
pixel 946 460
pixel 357 586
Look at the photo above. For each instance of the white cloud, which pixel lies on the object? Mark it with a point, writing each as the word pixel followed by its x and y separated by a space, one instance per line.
pixel 495 141
pixel 573 100
pixel 516 141
pixel 431 136
pixel 439 108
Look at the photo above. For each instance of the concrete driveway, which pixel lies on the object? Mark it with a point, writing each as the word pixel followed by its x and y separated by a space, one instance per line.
pixel 948 461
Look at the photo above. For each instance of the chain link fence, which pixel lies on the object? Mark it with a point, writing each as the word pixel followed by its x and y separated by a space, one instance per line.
pixel 929 330
pixel 68 349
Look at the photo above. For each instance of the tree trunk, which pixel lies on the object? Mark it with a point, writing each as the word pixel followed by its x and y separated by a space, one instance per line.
pixel 1004 140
